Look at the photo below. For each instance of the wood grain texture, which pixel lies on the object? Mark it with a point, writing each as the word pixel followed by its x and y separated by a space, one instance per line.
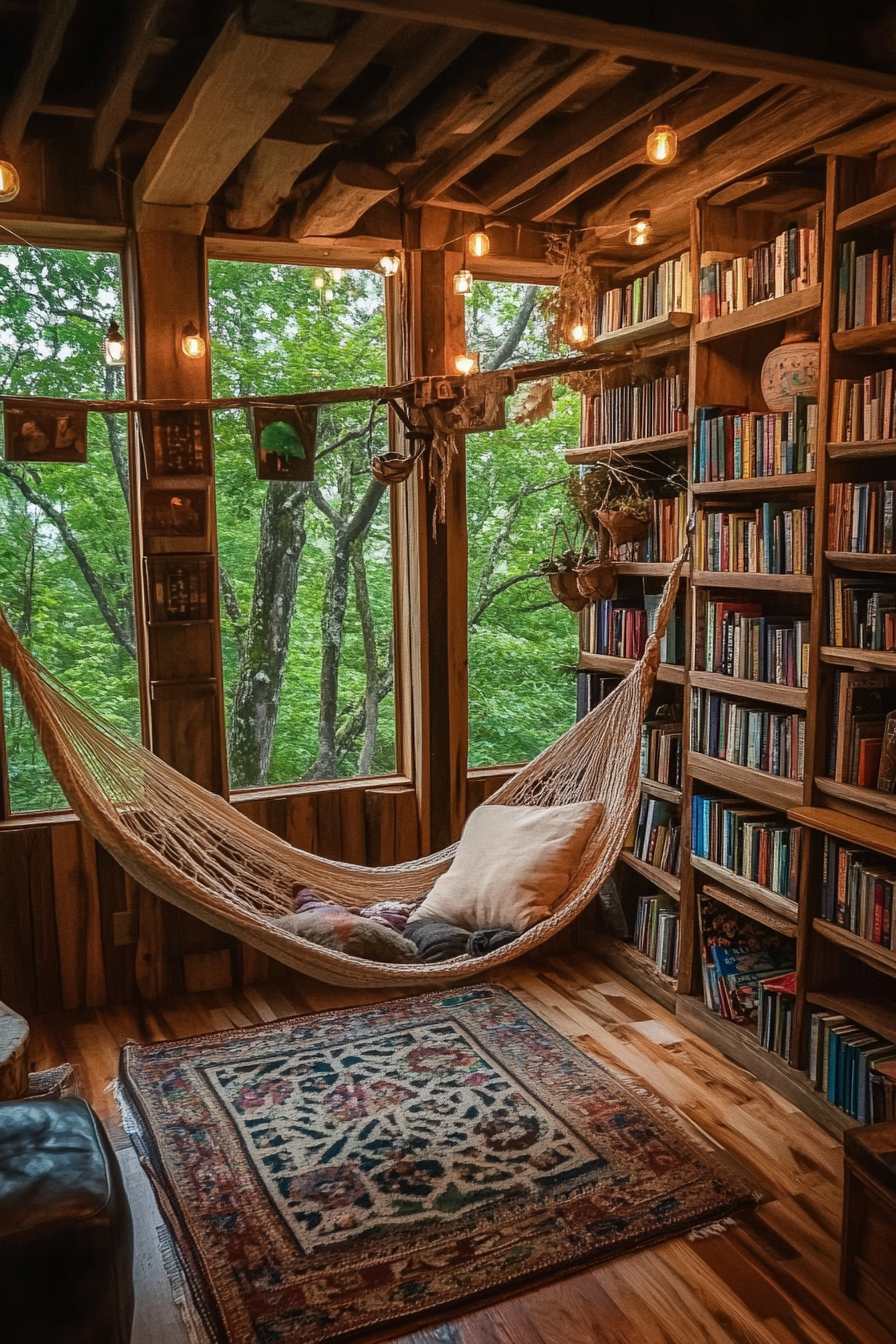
pixel 772 1279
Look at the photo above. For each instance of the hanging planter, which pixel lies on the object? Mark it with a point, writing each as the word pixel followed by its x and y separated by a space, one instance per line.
pixel 562 571
pixel 623 525
pixel 596 579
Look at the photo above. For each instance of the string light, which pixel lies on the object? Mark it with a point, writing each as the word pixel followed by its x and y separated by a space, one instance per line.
pixel 319 282
pixel 662 145
pixel 9 181
pixel 390 263
pixel 479 244
pixel 191 342
pixel 468 363
pixel 639 228
pixel 463 282
pixel 114 346
pixel 578 334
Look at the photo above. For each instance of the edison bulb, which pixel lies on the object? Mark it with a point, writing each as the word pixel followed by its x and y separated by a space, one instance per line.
pixel 389 264
pixel 319 282
pixel 578 334
pixel 191 342
pixel 468 363
pixel 9 181
pixel 639 228
pixel 479 244
pixel 463 282
pixel 114 346
pixel 662 145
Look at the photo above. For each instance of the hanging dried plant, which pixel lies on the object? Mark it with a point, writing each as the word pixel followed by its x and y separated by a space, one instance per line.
pixel 534 401
pixel 572 301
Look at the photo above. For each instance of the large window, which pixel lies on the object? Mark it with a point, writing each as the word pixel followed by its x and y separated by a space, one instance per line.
pixel 305 567
pixel 523 644
pixel 65 549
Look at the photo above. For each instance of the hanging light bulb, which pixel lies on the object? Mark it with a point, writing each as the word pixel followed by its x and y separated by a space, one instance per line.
pixel 639 228
pixel 9 181
pixel 114 346
pixel 319 282
pixel 390 263
pixel 191 342
pixel 463 282
pixel 662 145
pixel 468 363
pixel 578 333
pixel 479 244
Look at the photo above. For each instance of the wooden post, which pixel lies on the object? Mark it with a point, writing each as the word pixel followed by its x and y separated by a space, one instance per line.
pixel 431 633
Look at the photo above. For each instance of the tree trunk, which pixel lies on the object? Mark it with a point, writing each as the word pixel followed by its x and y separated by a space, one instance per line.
pixel 331 626
pixel 256 698
pixel 371 662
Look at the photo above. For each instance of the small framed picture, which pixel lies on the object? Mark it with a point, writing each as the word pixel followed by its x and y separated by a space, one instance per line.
pixel 285 439
pixel 179 588
pixel 175 512
pixel 37 432
pixel 177 443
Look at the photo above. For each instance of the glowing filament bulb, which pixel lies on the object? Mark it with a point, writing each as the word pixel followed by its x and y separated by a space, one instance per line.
pixel 468 363
pixel 114 346
pixel 639 228
pixel 479 244
pixel 191 342
pixel 662 145
pixel 319 282
pixel 578 334
pixel 389 264
pixel 9 181
pixel 463 282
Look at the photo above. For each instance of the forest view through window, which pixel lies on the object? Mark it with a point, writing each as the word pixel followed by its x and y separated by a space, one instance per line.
pixel 522 643
pixel 66 580
pixel 305 566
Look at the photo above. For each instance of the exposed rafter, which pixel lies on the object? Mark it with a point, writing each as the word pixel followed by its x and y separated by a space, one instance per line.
pixel 114 107
pixel 434 55
pixel 52 23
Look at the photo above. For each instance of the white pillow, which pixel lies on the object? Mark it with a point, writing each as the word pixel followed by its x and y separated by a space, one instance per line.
pixel 512 866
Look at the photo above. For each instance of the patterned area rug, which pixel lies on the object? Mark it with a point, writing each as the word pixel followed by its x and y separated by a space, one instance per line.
pixel 384 1166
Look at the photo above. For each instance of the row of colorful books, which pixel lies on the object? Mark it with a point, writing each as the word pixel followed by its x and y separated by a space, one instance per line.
pixel 750 841
pixel 619 628
pixel 857 892
pixel 772 539
pixel 738 953
pixel 785 265
pixel 734 444
pixel 775 1012
pixel 737 640
pixel 863 741
pixel 866 288
pixel 657 837
pixel 668 517
pixel 639 410
pixel 860 517
pixel 665 290
pixel 852 1067
pixel 861 615
pixel 661 750
pixel 864 409
pixel 656 931
pixel 743 733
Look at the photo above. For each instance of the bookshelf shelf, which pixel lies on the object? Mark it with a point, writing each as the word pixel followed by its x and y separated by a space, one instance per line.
pixel 875 1013
pixel 862 448
pixel 650 330
pixel 636 967
pixel 769 901
pixel 740 1044
pixel 666 882
pixel 758 485
pixel 862 560
pixel 852 793
pixel 759 314
pixel 662 443
pixel 753 784
pixel 844 826
pixel 843 657
pixel 880 337
pixel 781 583
pixel 648 569
pixel 654 789
pixel 795 697
pixel 881 958
pixel 872 211
pixel 606 662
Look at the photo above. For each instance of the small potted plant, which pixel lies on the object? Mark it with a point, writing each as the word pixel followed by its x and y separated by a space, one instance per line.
pixel 610 497
pixel 562 570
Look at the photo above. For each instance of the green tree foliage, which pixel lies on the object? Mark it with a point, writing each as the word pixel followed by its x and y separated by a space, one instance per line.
pixel 523 644
pixel 65 552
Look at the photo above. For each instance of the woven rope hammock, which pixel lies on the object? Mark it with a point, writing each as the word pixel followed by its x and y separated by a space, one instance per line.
pixel 192 848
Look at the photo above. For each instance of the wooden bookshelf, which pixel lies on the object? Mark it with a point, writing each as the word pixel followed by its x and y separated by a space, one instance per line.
pixel 875 1013
pixel 862 448
pixel 875 210
pixel 759 315
pixel 769 903
pixel 654 789
pixel 754 784
pixel 853 793
pixel 842 657
pixel 668 325
pixel 661 443
pixel 845 826
pixel 648 569
pixel 782 583
pixel 877 339
pixel 625 958
pixel 757 485
pixel 612 666
pixel 862 561
pixel 795 697
pixel 882 958
pixel 666 882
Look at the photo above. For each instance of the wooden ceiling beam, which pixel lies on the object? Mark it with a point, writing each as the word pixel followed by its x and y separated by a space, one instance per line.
pixel 784 124
pixel 114 106
pixel 51 28
pixel 513 19
pixel 353 52
pixel 241 87
pixel 497 133
pixel 434 54
pixel 634 98
pixel 333 204
pixel 861 140
pixel 722 95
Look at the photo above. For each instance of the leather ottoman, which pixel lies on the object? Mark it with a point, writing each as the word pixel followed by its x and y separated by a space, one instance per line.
pixel 66 1242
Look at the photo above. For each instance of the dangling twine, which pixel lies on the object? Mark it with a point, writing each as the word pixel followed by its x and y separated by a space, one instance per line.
pixel 442 450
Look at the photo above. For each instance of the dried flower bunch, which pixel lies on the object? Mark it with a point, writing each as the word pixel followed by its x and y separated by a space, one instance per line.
pixel 573 299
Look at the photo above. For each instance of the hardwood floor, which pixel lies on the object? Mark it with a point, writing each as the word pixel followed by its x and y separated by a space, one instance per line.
pixel 770 1280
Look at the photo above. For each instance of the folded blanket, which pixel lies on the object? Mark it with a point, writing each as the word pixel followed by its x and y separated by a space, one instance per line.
pixel 488 940
pixel 437 941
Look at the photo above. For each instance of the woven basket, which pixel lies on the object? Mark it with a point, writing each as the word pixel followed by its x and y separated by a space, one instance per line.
pixel 565 588
pixel 622 526
pixel 392 468
pixel 596 580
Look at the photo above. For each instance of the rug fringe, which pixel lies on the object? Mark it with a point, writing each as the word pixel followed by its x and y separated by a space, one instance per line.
pixel 716 1229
